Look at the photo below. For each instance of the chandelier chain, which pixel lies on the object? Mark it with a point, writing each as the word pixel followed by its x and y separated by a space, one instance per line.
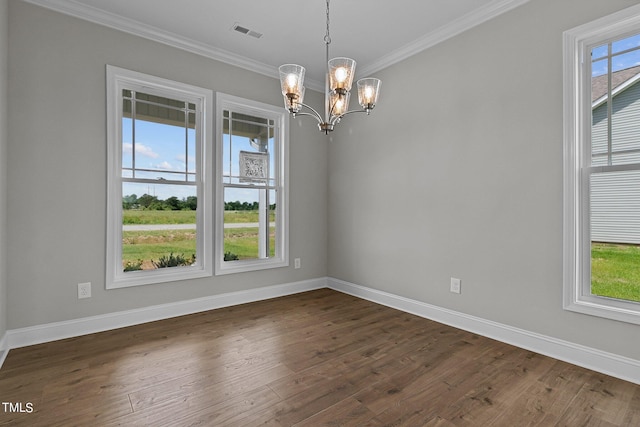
pixel 327 37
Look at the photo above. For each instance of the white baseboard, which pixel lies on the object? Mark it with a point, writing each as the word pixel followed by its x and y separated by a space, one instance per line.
pixel 4 348
pixel 607 363
pixel 72 328
pixel 590 358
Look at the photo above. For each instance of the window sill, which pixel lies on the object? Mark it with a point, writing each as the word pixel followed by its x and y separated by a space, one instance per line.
pixel 243 266
pixel 140 278
pixel 621 311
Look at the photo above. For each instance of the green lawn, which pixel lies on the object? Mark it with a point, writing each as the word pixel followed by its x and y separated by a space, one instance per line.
pixel 244 242
pixel 132 216
pixel 615 271
pixel 146 246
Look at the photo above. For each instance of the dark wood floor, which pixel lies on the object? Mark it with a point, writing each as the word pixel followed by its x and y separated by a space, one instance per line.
pixel 319 358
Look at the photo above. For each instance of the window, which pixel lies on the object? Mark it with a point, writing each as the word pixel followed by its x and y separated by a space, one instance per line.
pixel 252 191
pixel 159 220
pixel 602 167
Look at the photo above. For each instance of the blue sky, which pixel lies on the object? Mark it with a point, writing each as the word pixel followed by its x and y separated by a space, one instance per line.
pixel 162 148
pixel 169 153
pixel 619 61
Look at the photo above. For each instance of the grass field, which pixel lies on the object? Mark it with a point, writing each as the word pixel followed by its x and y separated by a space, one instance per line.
pixel 130 216
pixel 151 245
pixel 615 271
pixel 184 217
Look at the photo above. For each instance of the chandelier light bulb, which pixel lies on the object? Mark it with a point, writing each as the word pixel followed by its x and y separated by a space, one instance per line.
pixel 291 79
pixel 339 103
pixel 368 92
pixel 292 82
pixel 341 74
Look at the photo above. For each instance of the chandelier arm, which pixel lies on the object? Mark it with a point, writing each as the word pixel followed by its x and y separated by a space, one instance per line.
pixel 310 115
pixel 314 113
pixel 336 119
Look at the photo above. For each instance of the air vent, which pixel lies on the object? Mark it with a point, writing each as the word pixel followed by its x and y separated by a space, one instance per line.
pixel 244 30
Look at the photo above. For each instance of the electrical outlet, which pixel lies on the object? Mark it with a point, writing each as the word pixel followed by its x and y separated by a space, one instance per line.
pixel 84 290
pixel 296 263
pixel 455 285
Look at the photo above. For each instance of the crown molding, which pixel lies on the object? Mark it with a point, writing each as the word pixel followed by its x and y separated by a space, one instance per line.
pixel 117 22
pixel 458 26
pixel 137 28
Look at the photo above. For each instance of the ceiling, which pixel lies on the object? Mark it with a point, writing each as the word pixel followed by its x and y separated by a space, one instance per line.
pixel 375 33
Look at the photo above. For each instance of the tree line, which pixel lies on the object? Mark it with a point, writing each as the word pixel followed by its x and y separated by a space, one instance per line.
pixel 189 203
pixel 149 202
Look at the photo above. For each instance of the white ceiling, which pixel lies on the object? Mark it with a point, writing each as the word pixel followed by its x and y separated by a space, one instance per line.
pixel 375 33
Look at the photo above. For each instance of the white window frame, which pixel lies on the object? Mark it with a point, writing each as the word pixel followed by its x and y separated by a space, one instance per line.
pixel 117 80
pixel 577 46
pixel 281 118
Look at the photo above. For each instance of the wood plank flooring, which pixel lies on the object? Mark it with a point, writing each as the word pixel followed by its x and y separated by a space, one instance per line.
pixel 319 358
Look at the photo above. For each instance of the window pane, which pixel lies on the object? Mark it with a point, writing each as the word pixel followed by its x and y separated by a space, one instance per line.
pixel 189 163
pixel 626 44
pixel 616 107
pixel 158 146
pixel 249 232
pixel 158 138
pixel 599 68
pixel 615 235
pixel 158 226
pixel 599 52
pixel 599 122
pixel 625 60
pixel 248 134
pixel 127 139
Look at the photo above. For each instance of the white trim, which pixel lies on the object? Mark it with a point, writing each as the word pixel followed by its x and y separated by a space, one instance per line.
pixel 577 110
pixel 607 363
pixel 600 361
pixel 117 80
pixel 279 115
pixel 131 26
pixel 4 348
pixel 88 325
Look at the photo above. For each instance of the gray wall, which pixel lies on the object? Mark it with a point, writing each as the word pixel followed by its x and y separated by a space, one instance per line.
pixel 4 48
pixel 57 168
pixel 458 172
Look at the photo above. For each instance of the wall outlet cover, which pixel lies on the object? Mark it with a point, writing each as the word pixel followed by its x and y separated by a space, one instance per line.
pixel 456 285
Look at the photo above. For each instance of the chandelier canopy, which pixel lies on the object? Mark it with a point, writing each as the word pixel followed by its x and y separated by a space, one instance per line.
pixel 338 81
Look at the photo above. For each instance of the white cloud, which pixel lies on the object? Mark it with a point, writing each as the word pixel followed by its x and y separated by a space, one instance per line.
pixel 140 149
pixel 164 165
pixel 181 160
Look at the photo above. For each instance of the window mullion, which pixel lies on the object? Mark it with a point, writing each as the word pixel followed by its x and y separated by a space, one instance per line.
pixel 609 107
pixel 133 133
pixel 186 141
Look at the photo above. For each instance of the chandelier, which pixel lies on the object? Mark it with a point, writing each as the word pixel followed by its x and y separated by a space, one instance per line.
pixel 338 81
